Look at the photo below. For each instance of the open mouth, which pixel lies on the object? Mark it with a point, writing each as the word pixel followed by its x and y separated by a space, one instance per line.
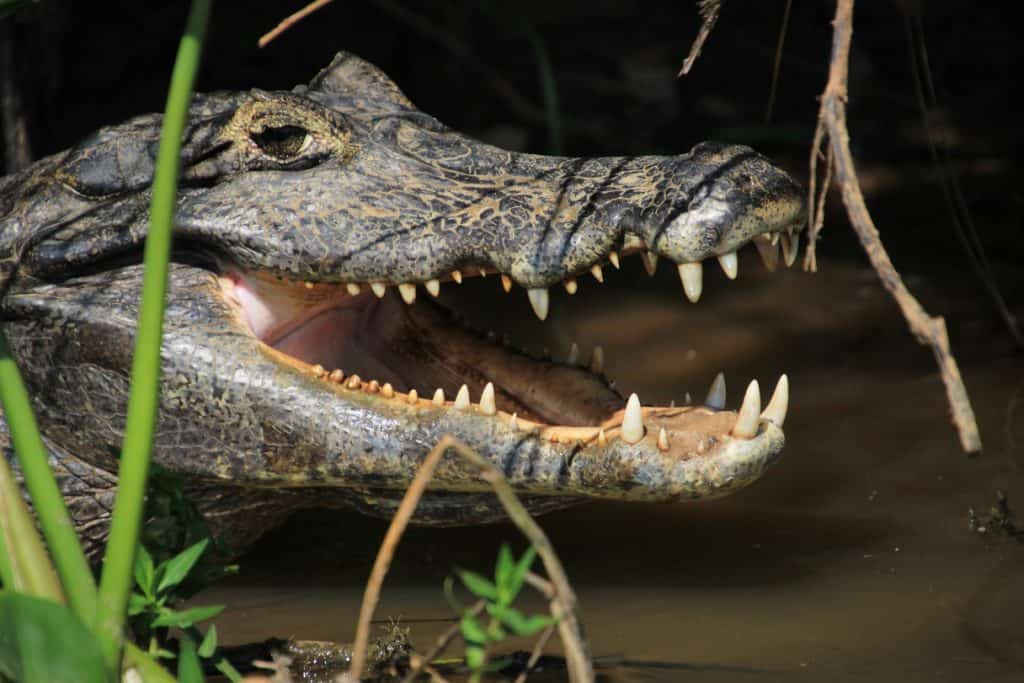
pixel 394 340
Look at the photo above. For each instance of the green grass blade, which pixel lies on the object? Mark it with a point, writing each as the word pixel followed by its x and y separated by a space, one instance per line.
pixel 116 582
pixel 24 563
pixel 42 487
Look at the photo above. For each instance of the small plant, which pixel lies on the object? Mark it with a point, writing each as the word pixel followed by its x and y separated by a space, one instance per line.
pixel 497 598
pixel 152 612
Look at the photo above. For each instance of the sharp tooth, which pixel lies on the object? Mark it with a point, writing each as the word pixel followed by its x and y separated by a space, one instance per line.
pixel 462 398
pixel 790 248
pixel 613 258
pixel 353 288
pixel 633 421
pixel 692 276
pixel 354 382
pixel 662 440
pixel 487 406
pixel 413 397
pixel 514 422
pixel 716 394
pixel 574 354
pixel 596 271
pixel 439 397
pixel 775 238
pixel 336 376
pixel 672 403
pixel 373 387
pixel 597 360
pixel 602 438
pixel 687 399
pixel 408 292
pixel 483 271
pixel 506 283
pixel 457 276
pixel 730 264
pixel 433 286
pixel 570 285
pixel 769 252
pixel 750 411
pixel 539 301
pixel 650 260
pixel 319 370
pixel 387 391
pixel 779 403
pixel 379 288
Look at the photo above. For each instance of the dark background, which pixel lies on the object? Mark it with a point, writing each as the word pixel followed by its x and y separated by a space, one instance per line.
pixel 477 66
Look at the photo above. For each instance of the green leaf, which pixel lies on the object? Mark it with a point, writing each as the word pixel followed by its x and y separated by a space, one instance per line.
pixel 188 617
pixel 137 604
pixel 478 585
pixel 518 623
pixel 177 568
pixel 518 575
pixel 476 657
pixel 209 644
pixel 42 641
pixel 503 570
pixel 189 669
pixel 144 571
pixel 472 631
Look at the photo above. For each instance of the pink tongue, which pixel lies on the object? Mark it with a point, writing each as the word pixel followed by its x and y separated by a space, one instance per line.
pixel 273 309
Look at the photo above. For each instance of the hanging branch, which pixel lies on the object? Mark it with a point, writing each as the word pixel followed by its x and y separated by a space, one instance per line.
pixel 930 331
pixel 709 11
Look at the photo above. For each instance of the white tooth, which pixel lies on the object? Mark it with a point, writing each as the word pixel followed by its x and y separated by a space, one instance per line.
pixel 462 398
pixel 716 394
pixel 433 286
pixel 457 276
pixel 730 264
pixel 613 258
pixel 779 403
pixel 506 283
pixel 353 288
pixel 633 421
pixel 483 272
pixel 413 396
pixel 672 403
pixel 379 288
pixel 574 354
pixel 570 285
pixel 514 422
pixel 602 438
pixel 387 391
pixel 487 406
pixel 790 248
pixel 687 399
pixel 597 360
pixel 439 397
pixel 539 301
pixel 692 276
pixel 408 292
pixel 750 411
pixel 662 440
pixel 769 252
pixel 596 271
pixel 650 260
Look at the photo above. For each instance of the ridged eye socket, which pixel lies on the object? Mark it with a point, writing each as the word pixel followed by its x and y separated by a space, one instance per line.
pixel 282 142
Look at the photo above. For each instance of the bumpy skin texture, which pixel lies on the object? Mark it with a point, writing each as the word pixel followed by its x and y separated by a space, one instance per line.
pixel 343 181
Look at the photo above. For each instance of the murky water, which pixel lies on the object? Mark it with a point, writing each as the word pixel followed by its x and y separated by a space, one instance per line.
pixel 852 560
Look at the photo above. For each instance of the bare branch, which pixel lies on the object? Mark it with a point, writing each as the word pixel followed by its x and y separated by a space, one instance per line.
pixel 928 330
pixel 709 11
pixel 291 20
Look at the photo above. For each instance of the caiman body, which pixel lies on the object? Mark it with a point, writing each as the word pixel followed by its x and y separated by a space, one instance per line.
pixel 303 352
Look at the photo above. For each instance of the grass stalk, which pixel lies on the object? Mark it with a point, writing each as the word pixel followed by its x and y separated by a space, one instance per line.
pixel 24 563
pixel 54 519
pixel 116 581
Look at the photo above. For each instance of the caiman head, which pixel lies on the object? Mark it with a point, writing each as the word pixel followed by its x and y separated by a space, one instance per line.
pixel 304 352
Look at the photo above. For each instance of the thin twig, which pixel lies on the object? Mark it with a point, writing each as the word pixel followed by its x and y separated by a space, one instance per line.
pixel 291 20
pixel 538 650
pixel 443 641
pixel 709 11
pixel 928 330
pixel 564 609
pixel 778 61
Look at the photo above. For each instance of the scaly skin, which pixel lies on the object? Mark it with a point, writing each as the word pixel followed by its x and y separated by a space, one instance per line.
pixel 345 182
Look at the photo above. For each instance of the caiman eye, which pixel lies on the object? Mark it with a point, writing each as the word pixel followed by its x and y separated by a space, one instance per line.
pixel 282 142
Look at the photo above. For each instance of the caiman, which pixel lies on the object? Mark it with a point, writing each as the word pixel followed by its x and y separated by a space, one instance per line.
pixel 305 359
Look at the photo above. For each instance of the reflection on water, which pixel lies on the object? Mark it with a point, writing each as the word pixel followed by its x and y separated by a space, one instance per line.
pixel 852 560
